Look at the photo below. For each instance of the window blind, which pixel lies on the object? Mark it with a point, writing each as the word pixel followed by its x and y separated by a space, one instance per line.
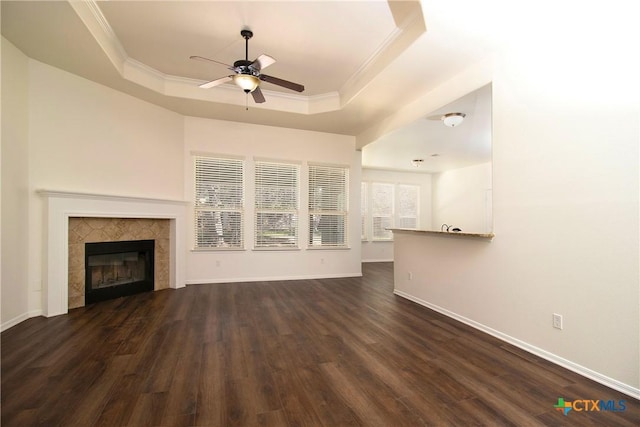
pixel 382 201
pixel 328 205
pixel 408 205
pixel 276 205
pixel 219 201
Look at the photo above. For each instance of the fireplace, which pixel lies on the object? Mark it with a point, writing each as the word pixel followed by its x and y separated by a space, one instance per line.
pixel 116 269
pixel 73 219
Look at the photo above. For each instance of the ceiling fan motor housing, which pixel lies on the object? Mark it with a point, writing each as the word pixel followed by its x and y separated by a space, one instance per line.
pixel 243 66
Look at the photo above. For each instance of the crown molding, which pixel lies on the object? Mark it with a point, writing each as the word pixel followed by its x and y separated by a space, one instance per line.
pixel 410 27
pixel 92 17
pixel 184 87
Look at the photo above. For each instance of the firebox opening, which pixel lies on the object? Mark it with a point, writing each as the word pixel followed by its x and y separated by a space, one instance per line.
pixel 116 269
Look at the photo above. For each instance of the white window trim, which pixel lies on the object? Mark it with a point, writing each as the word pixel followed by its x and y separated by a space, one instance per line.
pixel 364 210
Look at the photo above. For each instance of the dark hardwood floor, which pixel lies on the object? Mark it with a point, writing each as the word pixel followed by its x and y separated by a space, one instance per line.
pixel 332 352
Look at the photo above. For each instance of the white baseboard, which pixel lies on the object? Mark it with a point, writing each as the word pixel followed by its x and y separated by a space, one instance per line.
pixel 377 260
pixel 21 318
pixel 269 279
pixel 579 369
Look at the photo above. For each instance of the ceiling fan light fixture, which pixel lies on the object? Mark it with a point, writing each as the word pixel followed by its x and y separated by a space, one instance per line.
pixel 453 119
pixel 246 82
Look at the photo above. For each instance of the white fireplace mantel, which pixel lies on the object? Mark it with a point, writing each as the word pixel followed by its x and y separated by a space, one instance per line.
pixel 60 206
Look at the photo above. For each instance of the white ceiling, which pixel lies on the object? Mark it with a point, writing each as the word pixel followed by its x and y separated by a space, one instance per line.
pixel 163 35
pixel 359 60
pixel 439 147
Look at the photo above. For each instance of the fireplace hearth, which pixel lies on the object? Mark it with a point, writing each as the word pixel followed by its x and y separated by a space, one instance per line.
pixel 116 269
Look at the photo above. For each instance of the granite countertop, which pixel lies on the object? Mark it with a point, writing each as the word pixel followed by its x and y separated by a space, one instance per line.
pixel 445 233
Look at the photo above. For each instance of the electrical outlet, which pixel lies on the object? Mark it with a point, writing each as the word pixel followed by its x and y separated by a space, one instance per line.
pixel 217 263
pixel 557 321
pixel 409 276
pixel 321 260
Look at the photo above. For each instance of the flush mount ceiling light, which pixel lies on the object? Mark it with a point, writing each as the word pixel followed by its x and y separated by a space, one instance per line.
pixel 453 119
pixel 417 162
pixel 247 82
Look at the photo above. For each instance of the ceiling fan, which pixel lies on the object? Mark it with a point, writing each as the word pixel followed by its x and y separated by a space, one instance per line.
pixel 248 74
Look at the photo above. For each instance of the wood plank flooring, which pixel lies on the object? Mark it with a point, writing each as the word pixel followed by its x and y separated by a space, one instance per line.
pixel 335 352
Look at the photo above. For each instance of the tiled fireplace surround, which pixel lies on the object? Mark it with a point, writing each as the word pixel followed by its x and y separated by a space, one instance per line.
pixel 84 230
pixel 72 219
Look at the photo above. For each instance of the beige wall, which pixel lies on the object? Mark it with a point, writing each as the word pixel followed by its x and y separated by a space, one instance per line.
pixel 87 137
pixel 462 199
pixel 15 167
pixel 565 215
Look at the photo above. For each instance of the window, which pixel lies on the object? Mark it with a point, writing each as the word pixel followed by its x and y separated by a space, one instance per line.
pixel 382 210
pixel 328 206
pixel 364 209
pixel 219 198
pixel 276 205
pixel 388 205
pixel 408 206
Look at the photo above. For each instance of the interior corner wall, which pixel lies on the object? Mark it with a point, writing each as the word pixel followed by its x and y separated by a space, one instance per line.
pixel 462 199
pixel 250 141
pixel 382 251
pixel 14 282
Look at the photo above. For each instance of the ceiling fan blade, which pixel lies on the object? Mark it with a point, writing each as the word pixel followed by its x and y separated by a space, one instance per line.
pixel 202 58
pixel 262 62
pixel 258 97
pixel 284 83
pixel 216 82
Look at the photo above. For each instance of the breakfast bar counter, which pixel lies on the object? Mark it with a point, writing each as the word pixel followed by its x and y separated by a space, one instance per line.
pixel 454 234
